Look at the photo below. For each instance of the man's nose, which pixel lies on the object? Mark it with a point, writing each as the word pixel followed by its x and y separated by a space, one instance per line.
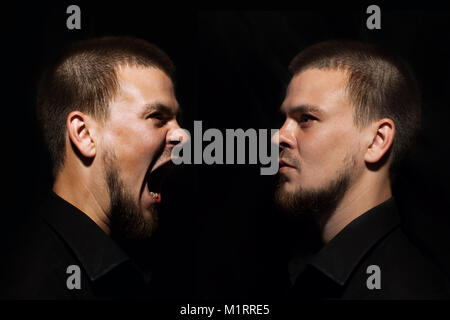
pixel 285 137
pixel 176 135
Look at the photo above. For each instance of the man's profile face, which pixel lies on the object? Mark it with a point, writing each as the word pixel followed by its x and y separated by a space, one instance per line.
pixel 320 152
pixel 136 147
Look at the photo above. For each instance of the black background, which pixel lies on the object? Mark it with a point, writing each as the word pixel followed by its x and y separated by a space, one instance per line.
pixel 220 235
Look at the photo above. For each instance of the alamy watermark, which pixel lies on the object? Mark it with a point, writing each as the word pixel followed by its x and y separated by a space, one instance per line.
pixel 74 20
pixel 74 279
pixel 374 280
pixel 262 148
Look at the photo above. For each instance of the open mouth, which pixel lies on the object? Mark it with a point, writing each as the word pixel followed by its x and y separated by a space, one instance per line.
pixel 154 181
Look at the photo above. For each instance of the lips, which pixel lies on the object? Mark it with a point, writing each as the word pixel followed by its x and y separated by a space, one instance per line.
pixel 283 164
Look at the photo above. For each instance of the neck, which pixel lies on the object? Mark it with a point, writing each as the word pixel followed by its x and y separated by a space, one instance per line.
pixel 359 198
pixel 71 186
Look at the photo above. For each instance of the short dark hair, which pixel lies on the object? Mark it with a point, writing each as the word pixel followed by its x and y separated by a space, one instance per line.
pixel 84 78
pixel 380 85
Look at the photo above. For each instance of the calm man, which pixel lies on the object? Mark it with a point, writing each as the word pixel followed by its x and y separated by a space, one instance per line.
pixel 352 112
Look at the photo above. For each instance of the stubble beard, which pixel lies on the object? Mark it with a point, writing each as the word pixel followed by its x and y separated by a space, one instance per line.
pixel 126 219
pixel 315 203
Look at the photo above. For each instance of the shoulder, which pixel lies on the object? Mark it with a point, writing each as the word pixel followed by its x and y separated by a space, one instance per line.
pixel 402 269
pixel 37 262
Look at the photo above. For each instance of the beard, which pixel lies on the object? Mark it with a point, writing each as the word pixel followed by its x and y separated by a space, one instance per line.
pixel 126 218
pixel 315 203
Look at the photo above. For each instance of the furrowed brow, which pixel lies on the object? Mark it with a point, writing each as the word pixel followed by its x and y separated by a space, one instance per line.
pixel 160 107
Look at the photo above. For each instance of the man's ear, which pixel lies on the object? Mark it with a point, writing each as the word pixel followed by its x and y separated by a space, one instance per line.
pixel 80 134
pixel 382 136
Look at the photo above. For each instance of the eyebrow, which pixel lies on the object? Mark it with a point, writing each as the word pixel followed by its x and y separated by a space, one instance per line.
pixel 151 107
pixel 304 108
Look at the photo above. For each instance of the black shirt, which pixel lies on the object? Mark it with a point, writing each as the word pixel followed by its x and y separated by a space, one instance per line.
pixel 60 236
pixel 371 258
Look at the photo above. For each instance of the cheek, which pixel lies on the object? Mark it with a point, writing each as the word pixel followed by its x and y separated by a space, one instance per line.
pixel 136 148
pixel 322 156
pixel 318 149
pixel 140 151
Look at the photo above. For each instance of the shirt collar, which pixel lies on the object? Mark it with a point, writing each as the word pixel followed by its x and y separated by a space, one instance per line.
pixel 341 255
pixel 95 250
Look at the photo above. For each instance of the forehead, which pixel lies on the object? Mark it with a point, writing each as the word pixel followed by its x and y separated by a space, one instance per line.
pixel 141 86
pixel 323 88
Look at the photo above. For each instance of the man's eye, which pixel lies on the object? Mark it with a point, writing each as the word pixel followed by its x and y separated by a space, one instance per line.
pixel 157 116
pixel 305 118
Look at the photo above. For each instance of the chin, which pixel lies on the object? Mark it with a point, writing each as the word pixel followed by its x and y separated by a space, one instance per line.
pixel 289 187
pixel 148 214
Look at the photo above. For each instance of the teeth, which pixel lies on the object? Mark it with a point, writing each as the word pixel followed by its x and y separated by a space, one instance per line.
pixel 154 195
